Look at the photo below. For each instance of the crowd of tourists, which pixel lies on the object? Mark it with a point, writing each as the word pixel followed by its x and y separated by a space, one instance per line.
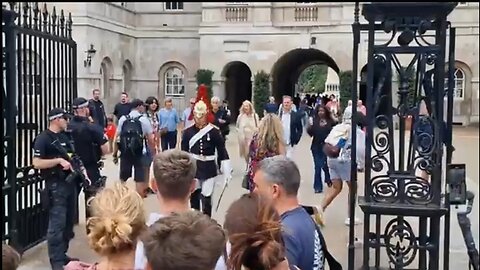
pixel 267 228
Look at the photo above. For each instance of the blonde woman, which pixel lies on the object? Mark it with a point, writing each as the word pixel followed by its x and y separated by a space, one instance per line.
pixel 267 142
pixel 117 221
pixel 247 125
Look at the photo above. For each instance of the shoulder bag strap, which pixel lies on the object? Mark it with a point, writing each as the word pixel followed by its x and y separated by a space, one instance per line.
pixel 333 264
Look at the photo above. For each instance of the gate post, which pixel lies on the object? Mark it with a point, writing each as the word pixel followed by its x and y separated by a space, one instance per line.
pixel 404 173
pixel 10 109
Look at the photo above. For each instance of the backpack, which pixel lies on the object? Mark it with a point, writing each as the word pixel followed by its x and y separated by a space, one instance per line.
pixel 131 137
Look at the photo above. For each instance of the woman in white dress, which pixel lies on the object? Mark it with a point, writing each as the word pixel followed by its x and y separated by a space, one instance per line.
pixel 247 125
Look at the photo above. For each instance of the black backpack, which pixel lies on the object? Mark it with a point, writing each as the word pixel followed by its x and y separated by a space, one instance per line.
pixel 131 137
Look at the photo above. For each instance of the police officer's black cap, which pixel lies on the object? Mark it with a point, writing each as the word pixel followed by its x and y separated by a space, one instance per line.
pixel 137 102
pixel 79 103
pixel 58 113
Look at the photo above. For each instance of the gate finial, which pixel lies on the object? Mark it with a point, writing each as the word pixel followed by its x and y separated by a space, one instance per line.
pixel 45 18
pixel 54 21
pixel 69 25
pixel 62 23
pixel 36 11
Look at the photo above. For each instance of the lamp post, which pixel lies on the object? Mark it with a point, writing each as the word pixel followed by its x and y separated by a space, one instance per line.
pixel 90 53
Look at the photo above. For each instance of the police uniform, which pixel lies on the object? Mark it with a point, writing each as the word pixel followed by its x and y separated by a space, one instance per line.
pixel 59 196
pixel 88 139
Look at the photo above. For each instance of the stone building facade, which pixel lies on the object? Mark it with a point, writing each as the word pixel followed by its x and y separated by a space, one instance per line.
pixel 156 48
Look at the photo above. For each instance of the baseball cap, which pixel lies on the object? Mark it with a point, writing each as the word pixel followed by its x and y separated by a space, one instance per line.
pixel 79 103
pixel 57 113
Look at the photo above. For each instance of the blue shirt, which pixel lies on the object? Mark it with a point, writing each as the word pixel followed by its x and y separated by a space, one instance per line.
pixel 168 119
pixel 302 242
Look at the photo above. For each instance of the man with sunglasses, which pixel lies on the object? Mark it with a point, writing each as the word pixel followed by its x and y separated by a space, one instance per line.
pixel 90 144
pixel 59 196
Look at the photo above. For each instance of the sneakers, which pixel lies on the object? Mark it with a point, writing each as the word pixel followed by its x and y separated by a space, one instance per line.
pixel 357 221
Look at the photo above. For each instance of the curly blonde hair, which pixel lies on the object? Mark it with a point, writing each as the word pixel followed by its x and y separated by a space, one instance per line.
pixel 117 221
pixel 269 135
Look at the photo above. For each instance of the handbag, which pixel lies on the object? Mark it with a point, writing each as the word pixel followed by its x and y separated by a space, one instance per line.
pixel 246 177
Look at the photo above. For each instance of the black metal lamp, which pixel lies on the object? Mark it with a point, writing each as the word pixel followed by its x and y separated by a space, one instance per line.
pixel 90 53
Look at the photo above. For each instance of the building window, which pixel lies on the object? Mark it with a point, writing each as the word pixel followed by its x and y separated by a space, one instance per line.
pixel 174 83
pixel 173 5
pixel 458 85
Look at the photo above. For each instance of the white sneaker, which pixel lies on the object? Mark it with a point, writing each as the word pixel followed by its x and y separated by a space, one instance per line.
pixel 357 221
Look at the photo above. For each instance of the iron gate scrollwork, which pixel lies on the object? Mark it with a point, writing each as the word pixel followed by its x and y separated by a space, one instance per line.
pixel 39 74
pixel 403 176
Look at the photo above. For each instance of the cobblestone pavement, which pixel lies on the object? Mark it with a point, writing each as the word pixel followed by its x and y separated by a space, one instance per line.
pixel 336 233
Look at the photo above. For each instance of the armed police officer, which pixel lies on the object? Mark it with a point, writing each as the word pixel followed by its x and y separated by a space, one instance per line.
pixel 90 144
pixel 59 195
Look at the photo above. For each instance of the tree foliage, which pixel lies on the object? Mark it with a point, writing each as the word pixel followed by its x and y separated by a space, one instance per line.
pixel 313 78
pixel 261 91
pixel 205 76
pixel 346 83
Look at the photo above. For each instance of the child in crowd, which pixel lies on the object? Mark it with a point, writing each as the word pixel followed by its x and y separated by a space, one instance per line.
pixel 111 130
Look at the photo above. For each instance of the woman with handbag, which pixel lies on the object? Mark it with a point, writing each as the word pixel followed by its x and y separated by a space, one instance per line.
pixel 267 142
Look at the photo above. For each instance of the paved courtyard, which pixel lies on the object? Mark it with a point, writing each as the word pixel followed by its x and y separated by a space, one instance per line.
pixel 336 233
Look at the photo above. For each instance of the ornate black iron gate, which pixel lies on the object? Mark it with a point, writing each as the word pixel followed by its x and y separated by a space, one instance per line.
pixel 404 178
pixel 39 73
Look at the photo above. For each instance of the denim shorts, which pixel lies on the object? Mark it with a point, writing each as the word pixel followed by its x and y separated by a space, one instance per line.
pixel 339 169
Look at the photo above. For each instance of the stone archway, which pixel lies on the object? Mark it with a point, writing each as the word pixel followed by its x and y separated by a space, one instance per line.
pixel 127 70
pixel 238 85
pixel 287 69
pixel 106 73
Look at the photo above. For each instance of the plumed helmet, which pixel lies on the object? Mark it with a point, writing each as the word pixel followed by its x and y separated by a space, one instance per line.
pixel 202 105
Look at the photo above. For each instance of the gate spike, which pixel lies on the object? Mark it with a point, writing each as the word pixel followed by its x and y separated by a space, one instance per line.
pixel 62 23
pixel 36 11
pixel 69 25
pixel 54 21
pixel 25 15
pixel 45 18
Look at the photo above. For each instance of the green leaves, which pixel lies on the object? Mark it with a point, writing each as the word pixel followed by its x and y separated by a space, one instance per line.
pixel 261 91
pixel 313 78
pixel 346 81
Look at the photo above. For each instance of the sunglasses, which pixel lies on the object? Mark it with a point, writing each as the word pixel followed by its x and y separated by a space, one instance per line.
pixel 192 103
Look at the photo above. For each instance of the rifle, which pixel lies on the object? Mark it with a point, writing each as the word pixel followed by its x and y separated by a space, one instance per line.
pixel 78 169
pixel 465 226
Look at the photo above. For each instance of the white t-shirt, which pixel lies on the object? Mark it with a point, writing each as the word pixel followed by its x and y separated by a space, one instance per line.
pixel 141 260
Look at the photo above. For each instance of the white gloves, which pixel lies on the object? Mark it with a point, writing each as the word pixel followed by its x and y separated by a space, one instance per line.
pixel 226 168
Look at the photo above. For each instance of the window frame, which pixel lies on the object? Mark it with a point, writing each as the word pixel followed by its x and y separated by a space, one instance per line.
pixel 167 85
pixel 456 80
pixel 173 9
